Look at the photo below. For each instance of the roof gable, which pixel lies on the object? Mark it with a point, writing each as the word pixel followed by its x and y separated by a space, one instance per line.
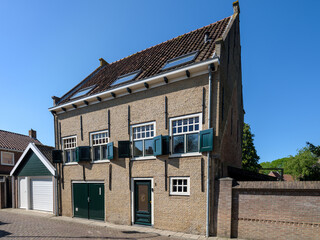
pixel 34 158
pixel 151 60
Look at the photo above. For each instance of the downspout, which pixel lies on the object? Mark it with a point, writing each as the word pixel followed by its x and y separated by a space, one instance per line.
pixel 210 68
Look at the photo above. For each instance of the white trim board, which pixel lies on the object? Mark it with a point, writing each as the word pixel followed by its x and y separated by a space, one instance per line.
pixel 39 154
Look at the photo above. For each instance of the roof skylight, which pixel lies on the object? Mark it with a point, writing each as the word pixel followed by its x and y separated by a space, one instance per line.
pixel 125 78
pixel 82 92
pixel 180 60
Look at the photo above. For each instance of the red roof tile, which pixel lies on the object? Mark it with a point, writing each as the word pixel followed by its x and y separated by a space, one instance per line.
pixel 151 60
pixel 15 141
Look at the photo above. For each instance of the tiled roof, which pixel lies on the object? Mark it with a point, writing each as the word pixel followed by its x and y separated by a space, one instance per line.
pixel 151 60
pixel 15 141
pixel 46 151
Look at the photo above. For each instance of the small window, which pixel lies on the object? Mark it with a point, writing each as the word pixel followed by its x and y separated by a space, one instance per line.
pixel 2 178
pixel 185 134
pixel 69 147
pixel 7 158
pixel 180 186
pixel 142 138
pixel 180 60
pixel 126 77
pixel 99 141
pixel 82 92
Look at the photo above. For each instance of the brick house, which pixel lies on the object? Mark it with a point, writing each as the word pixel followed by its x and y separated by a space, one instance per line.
pixel 12 146
pixel 143 138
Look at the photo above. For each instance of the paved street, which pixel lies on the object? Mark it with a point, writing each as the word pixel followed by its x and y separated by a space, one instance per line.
pixel 39 226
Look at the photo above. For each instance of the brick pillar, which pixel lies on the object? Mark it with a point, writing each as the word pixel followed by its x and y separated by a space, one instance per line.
pixel 224 207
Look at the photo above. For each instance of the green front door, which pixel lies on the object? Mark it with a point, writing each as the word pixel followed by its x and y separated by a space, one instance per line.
pixel 80 200
pixel 88 200
pixel 96 201
pixel 142 202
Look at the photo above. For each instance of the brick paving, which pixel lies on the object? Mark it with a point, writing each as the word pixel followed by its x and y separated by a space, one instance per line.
pixel 39 226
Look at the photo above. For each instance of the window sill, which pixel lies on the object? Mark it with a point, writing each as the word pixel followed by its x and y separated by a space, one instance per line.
pixel 175 194
pixel 6 164
pixel 70 163
pixel 101 161
pixel 196 154
pixel 144 158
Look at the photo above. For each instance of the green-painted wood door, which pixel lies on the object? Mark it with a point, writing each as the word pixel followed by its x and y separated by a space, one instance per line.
pixel 88 200
pixel 96 201
pixel 142 202
pixel 80 200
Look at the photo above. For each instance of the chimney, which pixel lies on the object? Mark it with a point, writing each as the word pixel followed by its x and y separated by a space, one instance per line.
pixel 103 62
pixel 55 100
pixel 33 133
pixel 236 7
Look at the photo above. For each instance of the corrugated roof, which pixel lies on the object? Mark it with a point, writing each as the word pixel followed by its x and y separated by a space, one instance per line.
pixel 15 141
pixel 151 60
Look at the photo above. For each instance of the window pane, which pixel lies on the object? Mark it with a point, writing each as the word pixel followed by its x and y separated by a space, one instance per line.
pixel 178 144
pixel 192 142
pixel 179 189
pixel 104 152
pixel 185 181
pixel 185 189
pixel 174 189
pixel 68 158
pixel 137 149
pixel 73 155
pixel 174 181
pixel 148 146
pixel 180 182
pixel 196 127
pixel 96 153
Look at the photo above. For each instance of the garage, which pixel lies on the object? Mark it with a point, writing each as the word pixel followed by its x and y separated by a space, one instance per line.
pixel 34 176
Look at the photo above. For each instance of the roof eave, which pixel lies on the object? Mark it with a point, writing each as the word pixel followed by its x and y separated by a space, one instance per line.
pixel 172 74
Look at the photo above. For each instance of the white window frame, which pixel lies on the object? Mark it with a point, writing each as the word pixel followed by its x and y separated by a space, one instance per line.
pixel 12 154
pixel 100 145
pixel 132 140
pixel 180 193
pixel 69 149
pixel 185 154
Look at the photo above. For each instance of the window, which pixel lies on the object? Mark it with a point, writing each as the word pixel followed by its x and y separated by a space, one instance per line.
pixel 7 158
pixel 82 92
pixel 179 185
pixel 180 60
pixel 142 138
pixel 126 77
pixel 69 149
pixel 99 141
pixel 185 134
pixel 2 178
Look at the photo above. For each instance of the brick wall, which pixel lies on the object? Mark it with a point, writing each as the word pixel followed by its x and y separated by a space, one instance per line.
pixel 269 210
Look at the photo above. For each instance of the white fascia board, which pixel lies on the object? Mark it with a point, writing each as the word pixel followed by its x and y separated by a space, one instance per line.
pixel 123 88
pixel 42 158
pixel 10 149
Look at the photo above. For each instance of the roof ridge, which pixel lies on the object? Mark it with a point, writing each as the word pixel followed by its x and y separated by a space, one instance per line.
pixel 17 134
pixel 169 40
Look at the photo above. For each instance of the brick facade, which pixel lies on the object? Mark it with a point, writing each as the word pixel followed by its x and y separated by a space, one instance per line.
pixel 185 95
pixel 269 210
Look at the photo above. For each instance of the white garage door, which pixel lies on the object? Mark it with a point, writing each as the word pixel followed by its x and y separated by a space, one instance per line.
pixel 41 194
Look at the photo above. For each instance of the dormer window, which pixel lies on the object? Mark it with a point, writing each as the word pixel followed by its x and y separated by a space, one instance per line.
pixel 126 78
pixel 82 92
pixel 180 60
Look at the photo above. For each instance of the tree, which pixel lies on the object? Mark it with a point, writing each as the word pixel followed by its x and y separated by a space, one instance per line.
pixel 250 157
pixel 314 149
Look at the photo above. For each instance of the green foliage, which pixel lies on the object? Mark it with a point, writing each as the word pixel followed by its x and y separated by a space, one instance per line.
pixel 250 157
pixel 303 166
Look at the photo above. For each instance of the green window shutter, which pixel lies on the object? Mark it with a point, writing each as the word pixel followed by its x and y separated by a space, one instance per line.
pixel 124 149
pixel 165 145
pixel 57 156
pixel 83 154
pixel 206 140
pixel 157 145
pixel 110 150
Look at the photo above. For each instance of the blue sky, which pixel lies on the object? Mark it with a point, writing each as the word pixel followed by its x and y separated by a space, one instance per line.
pixel 47 47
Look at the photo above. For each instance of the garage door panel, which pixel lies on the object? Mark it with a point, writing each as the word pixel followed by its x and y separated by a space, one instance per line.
pixel 41 192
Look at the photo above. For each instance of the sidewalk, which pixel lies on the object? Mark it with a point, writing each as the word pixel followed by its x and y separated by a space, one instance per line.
pixel 140 229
